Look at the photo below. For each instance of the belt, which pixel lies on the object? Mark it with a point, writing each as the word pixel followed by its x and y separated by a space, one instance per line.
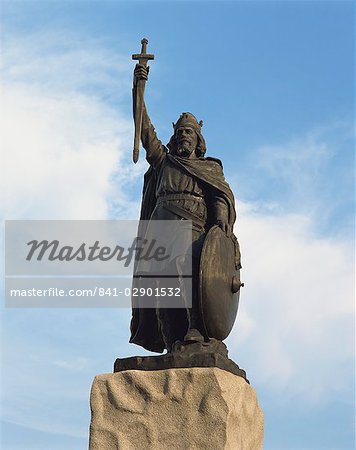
pixel 182 196
pixel 177 209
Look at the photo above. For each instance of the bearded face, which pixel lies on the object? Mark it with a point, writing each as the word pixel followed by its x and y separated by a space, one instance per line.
pixel 187 141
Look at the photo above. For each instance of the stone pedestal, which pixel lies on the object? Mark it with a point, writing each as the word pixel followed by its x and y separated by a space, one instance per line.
pixel 177 409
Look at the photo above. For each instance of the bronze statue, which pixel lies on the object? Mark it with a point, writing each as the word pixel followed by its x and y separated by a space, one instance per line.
pixel 182 184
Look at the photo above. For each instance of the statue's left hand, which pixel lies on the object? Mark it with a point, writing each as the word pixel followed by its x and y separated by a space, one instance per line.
pixel 224 226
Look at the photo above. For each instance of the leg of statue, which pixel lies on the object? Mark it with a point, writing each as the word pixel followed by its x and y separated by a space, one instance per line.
pixel 196 331
pixel 172 323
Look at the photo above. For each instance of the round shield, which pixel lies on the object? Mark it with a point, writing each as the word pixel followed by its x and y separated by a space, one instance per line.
pixel 219 284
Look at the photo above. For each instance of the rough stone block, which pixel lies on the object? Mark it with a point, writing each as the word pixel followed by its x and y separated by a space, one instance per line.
pixel 178 409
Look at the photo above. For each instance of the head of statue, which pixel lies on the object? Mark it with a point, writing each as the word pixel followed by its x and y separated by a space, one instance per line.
pixel 187 140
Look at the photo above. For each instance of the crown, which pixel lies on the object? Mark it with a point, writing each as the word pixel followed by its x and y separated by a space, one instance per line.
pixel 187 119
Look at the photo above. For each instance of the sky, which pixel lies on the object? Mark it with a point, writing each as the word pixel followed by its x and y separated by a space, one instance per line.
pixel 273 82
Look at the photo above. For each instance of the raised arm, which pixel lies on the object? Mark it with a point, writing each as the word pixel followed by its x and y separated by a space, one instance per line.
pixel 155 151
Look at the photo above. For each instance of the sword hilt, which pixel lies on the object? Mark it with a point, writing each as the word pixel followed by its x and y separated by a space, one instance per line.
pixel 143 57
pixel 144 43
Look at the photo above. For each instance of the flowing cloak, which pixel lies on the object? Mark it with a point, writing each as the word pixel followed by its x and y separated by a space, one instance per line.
pixel 144 324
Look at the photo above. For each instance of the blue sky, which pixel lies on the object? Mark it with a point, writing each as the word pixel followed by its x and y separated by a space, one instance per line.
pixel 274 85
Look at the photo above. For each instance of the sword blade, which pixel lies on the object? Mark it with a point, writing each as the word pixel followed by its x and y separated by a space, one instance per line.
pixel 140 90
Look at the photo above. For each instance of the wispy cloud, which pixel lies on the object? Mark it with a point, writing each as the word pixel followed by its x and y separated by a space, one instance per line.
pixel 57 62
pixel 311 174
pixel 63 144
pixel 66 144
pixel 74 365
pixel 295 332
pixel 297 312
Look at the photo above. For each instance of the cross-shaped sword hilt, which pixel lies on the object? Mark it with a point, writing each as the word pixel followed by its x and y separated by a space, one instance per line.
pixel 143 57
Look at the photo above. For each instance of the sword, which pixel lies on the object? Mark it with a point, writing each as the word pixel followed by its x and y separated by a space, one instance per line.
pixel 142 58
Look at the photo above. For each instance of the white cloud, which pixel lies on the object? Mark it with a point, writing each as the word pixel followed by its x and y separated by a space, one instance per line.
pixel 295 331
pixel 62 143
pixel 58 62
pixel 66 147
pixel 295 328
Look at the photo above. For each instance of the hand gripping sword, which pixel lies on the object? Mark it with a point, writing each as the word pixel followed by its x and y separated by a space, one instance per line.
pixel 142 58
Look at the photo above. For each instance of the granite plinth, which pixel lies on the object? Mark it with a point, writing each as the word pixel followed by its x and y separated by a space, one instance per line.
pixel 176 409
